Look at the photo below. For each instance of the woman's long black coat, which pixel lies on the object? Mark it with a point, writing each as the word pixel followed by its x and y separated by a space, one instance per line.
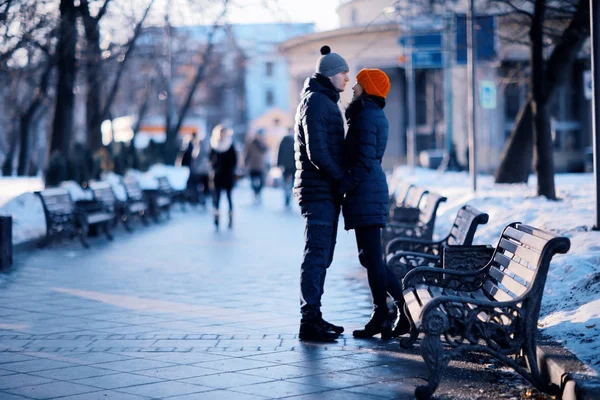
pixel 365 186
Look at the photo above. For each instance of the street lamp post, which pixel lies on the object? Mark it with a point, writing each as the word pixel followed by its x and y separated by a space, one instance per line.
pixel 595 37
pixel 471 94
pixel 411 137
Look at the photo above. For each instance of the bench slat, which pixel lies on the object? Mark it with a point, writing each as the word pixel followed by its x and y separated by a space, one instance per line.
pixel 514 267
pixel 495 292
pixel 530 255
pixel 413 305
pixel 507 281
pixel 525 238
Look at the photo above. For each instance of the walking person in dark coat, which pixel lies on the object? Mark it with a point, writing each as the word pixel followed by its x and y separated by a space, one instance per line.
pixel 223 159
pixel 319 137
pixel 256 163
pixel 365 190
pixel 287 163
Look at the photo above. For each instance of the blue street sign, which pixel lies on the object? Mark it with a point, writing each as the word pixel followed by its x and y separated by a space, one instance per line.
pixel 427 59
pixel 423 41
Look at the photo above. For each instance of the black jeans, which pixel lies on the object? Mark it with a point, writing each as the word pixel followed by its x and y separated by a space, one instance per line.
pixel 368 241
pixel 288 185
pixel 321 224
pixel 217 198
pixel 256 181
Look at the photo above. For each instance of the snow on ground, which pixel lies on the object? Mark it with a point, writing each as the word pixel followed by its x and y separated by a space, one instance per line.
pixel 571 304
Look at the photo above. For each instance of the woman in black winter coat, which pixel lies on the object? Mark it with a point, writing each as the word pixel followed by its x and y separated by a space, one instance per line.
pixel 366 199
pixel 223 159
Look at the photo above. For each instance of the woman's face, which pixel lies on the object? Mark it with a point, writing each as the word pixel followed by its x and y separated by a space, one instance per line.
pixel 357 90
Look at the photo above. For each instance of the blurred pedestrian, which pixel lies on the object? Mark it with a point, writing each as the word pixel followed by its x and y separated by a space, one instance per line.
pixel 255 161
pixel 365 192
pixel 199 173
pixel 319 140
pixel 287 163
pixel 223 159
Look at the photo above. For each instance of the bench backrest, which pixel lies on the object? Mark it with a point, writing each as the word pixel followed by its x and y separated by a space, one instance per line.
pixel 56 201
pixel 133 189
pixel 465 224
pixel 429 206
pixel 103 193
pixel 401 193
pixel 520 264
pixel 415 196
pixel 163 185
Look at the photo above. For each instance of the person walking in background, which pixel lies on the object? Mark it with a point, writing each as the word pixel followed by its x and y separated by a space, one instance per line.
pixel 256 163
pixel 199 173
pixel 318 144
pixel 287 163
pixel 223 159
pixel 365 191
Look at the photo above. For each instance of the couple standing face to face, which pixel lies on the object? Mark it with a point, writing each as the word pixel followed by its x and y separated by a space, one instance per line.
pixel 368 81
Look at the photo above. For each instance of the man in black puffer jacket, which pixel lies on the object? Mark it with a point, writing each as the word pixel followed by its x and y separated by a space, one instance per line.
pixel 318 145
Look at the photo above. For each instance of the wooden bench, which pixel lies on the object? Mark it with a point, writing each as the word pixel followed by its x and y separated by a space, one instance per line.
pixel 493 309
pixel 404 254
pixel 423 228
pixel 103 193
pixel 65 218
pixel 136 203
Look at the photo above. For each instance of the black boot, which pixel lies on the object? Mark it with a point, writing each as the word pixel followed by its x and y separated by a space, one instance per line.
pixel 379 323
pixel 216 221
pixel 230 225
pixel 336 328
pixel 315 330
pixel 402 323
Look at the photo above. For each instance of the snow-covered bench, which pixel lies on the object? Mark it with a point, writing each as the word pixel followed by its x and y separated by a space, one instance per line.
pixel 493 309
pixel 64 217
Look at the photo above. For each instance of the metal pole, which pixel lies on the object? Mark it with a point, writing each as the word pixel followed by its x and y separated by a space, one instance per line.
pixel 595 39
pixel 450 163
pixel 410 82
pixel 471 94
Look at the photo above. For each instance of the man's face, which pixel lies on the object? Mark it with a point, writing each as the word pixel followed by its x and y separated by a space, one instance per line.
pixel 340 81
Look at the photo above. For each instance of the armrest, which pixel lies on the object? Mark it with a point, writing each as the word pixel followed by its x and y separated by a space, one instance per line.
pixel 413 244
pixel 452 279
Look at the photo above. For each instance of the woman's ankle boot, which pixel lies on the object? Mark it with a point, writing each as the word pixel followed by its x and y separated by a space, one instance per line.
pixel 216 215
pixel 402 323
pixel 379 323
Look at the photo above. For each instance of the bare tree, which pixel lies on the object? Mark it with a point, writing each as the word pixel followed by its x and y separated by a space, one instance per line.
pixel 546 77
pixel 96 109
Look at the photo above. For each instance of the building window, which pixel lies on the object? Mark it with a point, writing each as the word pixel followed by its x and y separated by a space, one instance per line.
pixel 269 68
pixel 354 16
pixel 270 99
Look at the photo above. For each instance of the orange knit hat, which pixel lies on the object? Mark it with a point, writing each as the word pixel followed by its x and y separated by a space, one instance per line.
pixel 374 81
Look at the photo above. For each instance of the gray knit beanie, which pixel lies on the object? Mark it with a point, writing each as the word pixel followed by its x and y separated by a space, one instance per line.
pixel 330 63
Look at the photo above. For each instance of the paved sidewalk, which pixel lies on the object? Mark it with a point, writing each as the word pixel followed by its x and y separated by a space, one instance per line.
pixel 175 310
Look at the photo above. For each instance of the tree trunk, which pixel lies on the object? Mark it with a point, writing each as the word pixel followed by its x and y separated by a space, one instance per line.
pixel 515 164
pixel 543 156
pixel 516 160
pixel 93 104
pixel 62 125
pixel 7 166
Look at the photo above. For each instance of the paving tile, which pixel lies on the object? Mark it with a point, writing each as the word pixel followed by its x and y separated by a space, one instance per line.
pixel 227 380
pixel 218 395
pixel 335 380
pixel 10 396
pixel 189 358
pixel 115 381
pixel 278 389
pixel 105 395
pixel 35 365
pixel 178 372
pixel 132 365
pixel 72 373
pixel 18 380
pixel 164 389
pixel 284 371
pixel 51 390
pixel 235 364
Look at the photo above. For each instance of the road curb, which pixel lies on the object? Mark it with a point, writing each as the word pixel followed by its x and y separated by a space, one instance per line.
pixel 562 368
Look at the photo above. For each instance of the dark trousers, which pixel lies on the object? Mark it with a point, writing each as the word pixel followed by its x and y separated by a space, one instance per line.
pixel 288 185
pixel 193 183
pixel 368 241
pixel 381 278
pixel 320 233
pixel 217 197
pixel 257 181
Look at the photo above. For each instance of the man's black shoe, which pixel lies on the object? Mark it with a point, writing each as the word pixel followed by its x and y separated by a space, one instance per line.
pixel 336 328
pixel 316 331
